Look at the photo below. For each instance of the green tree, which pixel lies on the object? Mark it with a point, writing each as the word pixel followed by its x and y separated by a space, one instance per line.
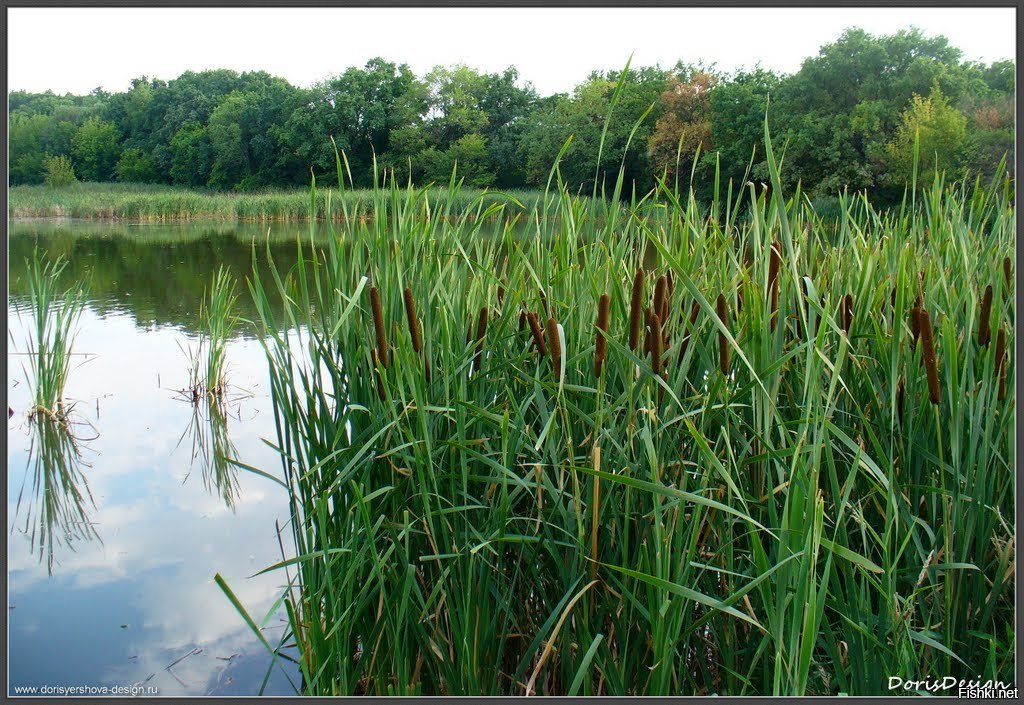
pixel 191 156
pixel 136 166
pixel 96 148
pixel 58 171
pixel 938 127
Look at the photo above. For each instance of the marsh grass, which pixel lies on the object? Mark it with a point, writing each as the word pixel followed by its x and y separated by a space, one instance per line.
pixel 797 506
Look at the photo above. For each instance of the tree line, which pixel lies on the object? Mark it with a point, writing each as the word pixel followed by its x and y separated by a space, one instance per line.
pixel 848 118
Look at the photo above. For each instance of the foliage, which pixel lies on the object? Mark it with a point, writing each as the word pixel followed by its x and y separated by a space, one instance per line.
pixel 58 171
pixel 96 147
pixel 135 166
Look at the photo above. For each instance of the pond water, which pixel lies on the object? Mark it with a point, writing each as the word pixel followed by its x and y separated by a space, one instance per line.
pixel 116 530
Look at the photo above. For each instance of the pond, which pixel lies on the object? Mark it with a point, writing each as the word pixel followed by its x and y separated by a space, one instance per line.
pixel 117 528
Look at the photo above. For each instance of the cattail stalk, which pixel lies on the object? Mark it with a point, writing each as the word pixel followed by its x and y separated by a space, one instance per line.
pixel 984 325
pixel 931 364
pixel 378 327
pixel 376 370
pixel 414 324
pixel 636 309
pixel 538 334
pixel 601 342
pixel 723 342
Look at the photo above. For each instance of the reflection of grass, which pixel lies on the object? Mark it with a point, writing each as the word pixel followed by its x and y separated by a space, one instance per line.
pixel 212 447
pixel 49 348
pixel 57 504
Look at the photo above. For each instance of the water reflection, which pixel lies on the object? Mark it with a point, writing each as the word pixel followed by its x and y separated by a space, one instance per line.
pixel 121 610
pixel 53 509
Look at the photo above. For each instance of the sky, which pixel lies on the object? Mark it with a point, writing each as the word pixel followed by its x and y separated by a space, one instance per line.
pixel 77 50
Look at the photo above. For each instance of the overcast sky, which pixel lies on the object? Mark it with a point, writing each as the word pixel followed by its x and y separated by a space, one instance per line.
pixel 76 50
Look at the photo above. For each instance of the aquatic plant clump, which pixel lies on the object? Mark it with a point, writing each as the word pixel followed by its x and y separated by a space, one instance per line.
pixel 769 492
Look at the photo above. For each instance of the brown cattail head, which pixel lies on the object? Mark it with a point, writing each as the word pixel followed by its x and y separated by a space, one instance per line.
pixel 915 321
pixel 984 324
pixel 655 343
pixel 378 327
pixel 376 370
pixel 774 264
pixel 723 342
pixel 553 344
pixel 846 313
pixel 522 319
pixel 1008 274
pixel 1001 362
pixel 538 334
pixel 636 309
pixel 414 324
pixel 481 331
pixel 601 343
pixel 661 297
pixel 931 364
pixel 900 393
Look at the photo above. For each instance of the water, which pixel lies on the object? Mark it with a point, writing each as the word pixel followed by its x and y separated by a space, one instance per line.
pixel 115 532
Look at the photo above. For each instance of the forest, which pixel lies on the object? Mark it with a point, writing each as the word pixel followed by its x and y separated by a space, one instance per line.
pixel 847 119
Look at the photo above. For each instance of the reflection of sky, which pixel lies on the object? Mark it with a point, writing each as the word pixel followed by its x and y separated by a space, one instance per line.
pixel 116 611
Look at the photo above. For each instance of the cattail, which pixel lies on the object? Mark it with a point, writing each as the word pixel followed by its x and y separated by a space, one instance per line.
pixel 481 330
pixel 915 320
pixel 414 324
pixel 522 319
pixel 1008 273
pixel 538 334
pixel 900 391
pixel 723 343
pixel 554 345
pixel 774 264
pixel 984 326
pixel 1001 362
pixel 636 309
pixel 661 297
pixel 694 310
pixel 378 327
pixel 846 313
pixel 931 364
pixel 601 343
pixel 376 369
pixel 654 335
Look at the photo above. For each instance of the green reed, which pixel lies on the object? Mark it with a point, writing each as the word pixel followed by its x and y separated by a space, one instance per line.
pixel 761 500
pixel 218 324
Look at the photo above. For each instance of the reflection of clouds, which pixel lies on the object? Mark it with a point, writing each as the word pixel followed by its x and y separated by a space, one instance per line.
pixel 164 536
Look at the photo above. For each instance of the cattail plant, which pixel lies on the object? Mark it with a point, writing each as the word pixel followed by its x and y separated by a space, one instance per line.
pixel 375 357
pixel 846 313
pixel 931 364
pixel 601 342
pixel 723 342
pixel 1008 273
pixel 414 324
pixel 636 309
pixel 538 334
pixel 378 327
pixel 661 298
pixel 984 324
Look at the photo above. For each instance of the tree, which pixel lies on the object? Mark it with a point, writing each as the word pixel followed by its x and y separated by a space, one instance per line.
pixel 191 156
pixel 58 171
pixel 938 127
pixel 96 148
pixel 136 166
pixel 685 122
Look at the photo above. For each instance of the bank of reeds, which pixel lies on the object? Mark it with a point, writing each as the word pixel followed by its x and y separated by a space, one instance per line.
pixel 567 520
pixel 151 202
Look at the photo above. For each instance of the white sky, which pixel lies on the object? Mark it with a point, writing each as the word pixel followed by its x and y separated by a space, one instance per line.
pixel 76 50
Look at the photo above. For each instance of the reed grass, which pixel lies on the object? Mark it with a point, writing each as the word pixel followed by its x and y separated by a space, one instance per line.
pixel 826 514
